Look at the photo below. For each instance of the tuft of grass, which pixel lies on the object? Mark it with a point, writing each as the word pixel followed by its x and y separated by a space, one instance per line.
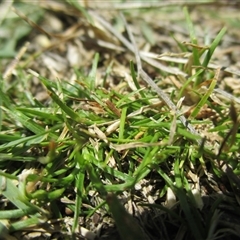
pixel 96 147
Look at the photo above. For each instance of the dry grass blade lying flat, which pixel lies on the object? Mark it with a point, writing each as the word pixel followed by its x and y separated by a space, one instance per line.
pixel 151 5
pixel 93 146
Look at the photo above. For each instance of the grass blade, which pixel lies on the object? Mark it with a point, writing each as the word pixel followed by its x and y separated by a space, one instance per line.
pixel 179 190
pixel 193 37
pixel 213 46
pixel 79 184
pixel 204 99
pixel 93 73
pixel 126 224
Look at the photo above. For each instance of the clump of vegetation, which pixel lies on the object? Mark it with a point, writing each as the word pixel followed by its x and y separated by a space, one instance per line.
pixel 119 125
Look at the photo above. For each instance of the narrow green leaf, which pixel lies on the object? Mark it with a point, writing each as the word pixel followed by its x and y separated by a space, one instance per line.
pixel 81 9
pixel 209 54
pixel 16 213
pixel 13 194
pixel 179 191
pixel 30 222
pixel 204 99
pixel 187 83
pixel 59 102
pixel 193 37
pixel 28 122
pixel 55 194
pixel 79 184
pixel 93 73
pixel 96 180
pixel 47 114
pixel 122 123
pixel 134 77
pixel 127 226
pixel 213 46
pixel 64 107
